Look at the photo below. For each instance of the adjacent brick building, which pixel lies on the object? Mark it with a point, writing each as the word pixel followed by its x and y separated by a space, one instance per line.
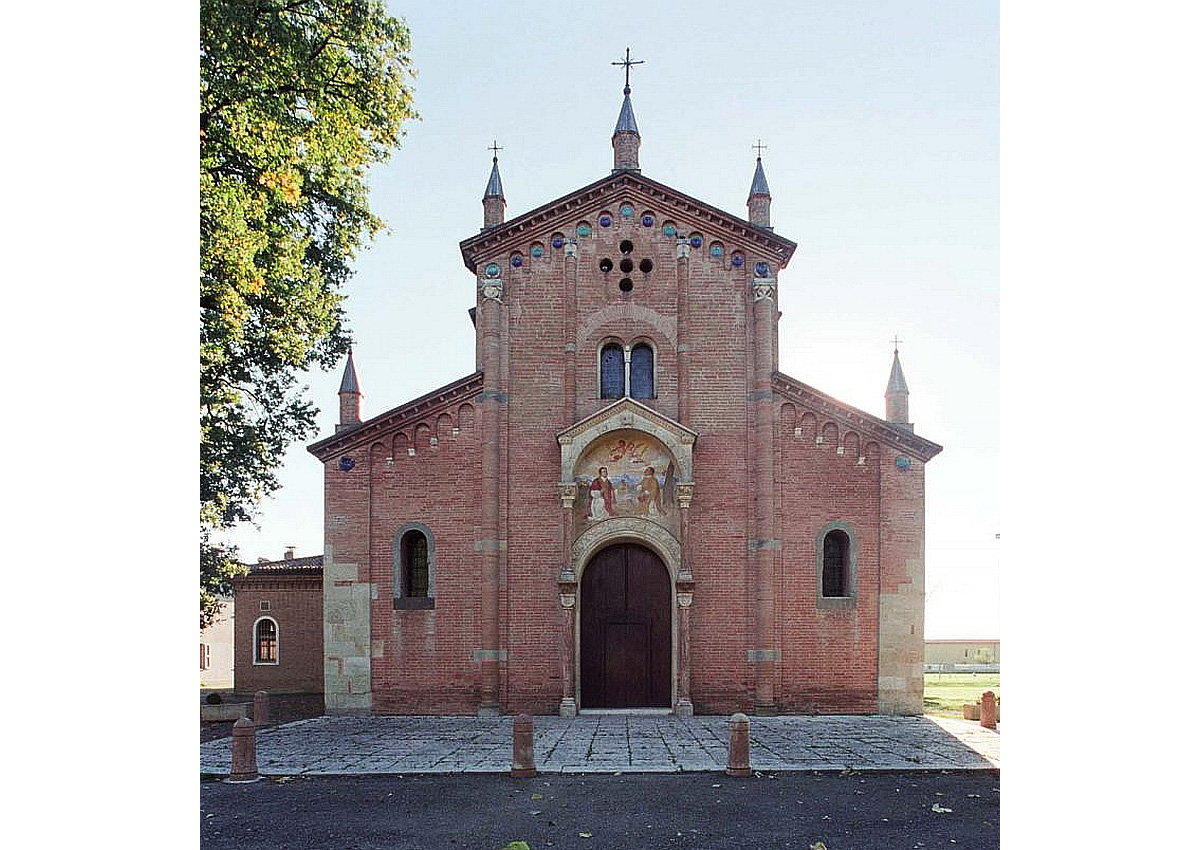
pixel 626 505
pixel 278 644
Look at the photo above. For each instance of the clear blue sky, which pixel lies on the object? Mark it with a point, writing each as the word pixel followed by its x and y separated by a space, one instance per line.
pixel 881 121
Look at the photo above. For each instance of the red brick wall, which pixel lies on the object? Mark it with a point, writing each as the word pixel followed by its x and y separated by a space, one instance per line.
pixel 422 660
pixel 295 605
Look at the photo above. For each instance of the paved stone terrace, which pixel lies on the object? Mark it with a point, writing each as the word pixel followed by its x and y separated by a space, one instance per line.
pixel 610 743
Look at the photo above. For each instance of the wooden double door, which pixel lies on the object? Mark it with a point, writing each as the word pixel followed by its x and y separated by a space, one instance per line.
pixel 625 630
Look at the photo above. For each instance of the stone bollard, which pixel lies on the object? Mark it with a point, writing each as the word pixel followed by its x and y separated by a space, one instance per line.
pixel 987 710
pixel 262 708
pixel 522 762
pixel 739 745
pixel 245 757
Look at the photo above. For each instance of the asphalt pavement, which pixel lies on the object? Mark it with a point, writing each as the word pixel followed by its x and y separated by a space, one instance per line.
pixel 847 810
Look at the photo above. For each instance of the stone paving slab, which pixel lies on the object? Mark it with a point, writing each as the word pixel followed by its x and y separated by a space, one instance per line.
pixel 610 744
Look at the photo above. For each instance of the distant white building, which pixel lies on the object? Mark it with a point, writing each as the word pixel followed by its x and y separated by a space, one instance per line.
pixel 962 656
pixel 216 650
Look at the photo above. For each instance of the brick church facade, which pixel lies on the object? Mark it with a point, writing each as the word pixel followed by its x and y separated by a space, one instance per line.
pixel 627 504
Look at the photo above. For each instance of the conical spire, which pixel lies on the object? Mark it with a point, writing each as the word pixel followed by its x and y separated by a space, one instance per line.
pixel 896 396
pixel 493 195
pixel 626 123
pixel 896 382
pixel 758 205
pixel 758 186
pixel 349 376
pixel 494 188
pixel 349 396
pixel 626 139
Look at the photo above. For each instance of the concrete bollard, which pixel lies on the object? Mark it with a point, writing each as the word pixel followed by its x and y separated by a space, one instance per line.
pixel 522 761
pixel 987 710
pixel 262 708
pixel 739 745
pixel 245 756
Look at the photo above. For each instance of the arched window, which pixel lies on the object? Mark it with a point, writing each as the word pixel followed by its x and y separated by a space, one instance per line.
pixel 612 371
pixel 416 564
pixel 413 567
pixel 833 564
pixel 837 566
pixel 266 641
pixel 641 371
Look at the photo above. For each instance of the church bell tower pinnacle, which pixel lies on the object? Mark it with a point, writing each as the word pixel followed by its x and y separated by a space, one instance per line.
pixel 626 140
pixel 493 195
pixel 349 397
pixel 758 205
pixel 896 395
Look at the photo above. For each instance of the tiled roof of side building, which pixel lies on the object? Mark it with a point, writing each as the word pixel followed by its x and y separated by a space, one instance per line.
pixel 311 563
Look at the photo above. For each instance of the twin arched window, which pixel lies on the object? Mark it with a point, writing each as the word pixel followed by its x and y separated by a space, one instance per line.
pixel 617 381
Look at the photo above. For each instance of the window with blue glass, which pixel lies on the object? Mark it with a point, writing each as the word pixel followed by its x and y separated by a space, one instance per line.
pixel 612 371
pixel 641 371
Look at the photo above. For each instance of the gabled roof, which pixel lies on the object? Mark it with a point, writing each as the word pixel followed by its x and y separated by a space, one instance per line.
pixel 378 426
pixel 562 213
pixel 895 436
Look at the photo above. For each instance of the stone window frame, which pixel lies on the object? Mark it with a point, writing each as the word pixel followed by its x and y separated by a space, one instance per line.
pixel 400 598
pixel 256 655
pixel 850 600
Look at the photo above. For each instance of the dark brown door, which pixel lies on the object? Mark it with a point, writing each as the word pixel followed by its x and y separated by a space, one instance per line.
pixel 625 630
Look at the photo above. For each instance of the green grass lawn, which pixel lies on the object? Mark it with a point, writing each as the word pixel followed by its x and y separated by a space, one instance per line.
pixel 945 693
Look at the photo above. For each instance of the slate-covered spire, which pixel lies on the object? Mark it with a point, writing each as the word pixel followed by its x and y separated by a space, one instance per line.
pixel 896 395
pixel 626 139
pixel 758 205
pixel 493 195
pixel 349 396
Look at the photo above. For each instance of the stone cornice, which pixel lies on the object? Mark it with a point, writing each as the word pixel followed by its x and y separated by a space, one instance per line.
pixel 376 427
pixel 899 438
pixel 562 212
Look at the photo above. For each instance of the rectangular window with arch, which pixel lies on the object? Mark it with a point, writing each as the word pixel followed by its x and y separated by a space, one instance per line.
pixel 837 566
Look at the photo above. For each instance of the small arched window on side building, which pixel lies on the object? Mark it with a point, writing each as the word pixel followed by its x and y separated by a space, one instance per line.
pixel 266 641
pixel 612 371
pixel 641 371
pixel 413 567
pixel 837 567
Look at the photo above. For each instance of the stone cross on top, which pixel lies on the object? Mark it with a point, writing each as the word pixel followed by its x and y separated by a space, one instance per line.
pixel 896 342
pixel 760 147
pixel 495 148
pixel 627 62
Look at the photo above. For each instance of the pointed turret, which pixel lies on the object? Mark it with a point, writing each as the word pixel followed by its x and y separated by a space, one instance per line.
pixel 896 396
pixel 349 397
pixel 758 204
pixel 493 195
pixel 626 140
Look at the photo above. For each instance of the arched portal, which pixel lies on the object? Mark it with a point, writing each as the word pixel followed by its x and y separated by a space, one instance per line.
pixel 625 630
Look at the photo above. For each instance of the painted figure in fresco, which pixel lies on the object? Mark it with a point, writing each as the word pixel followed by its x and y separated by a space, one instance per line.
pixel 603 499
pixel 649 495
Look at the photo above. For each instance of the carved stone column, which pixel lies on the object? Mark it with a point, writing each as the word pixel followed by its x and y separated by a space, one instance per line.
pixel 684 589
pixel 567 587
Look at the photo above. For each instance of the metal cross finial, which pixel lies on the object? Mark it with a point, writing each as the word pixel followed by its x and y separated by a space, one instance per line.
pixel 495 147
pixel 627 62
pixel 760 147
pixel 896 343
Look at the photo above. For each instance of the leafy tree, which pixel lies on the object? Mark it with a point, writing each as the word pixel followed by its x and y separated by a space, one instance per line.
pixel 298 98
